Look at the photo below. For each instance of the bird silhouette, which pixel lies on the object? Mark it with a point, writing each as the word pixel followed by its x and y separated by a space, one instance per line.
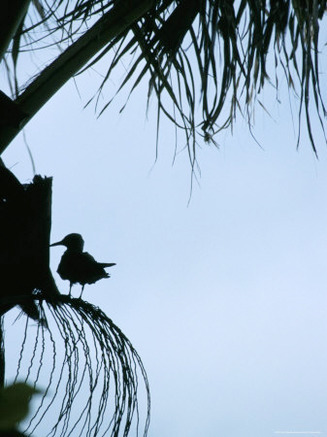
pixel 78 266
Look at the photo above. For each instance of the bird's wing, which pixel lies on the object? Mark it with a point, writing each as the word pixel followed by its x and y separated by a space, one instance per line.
pixel 92 271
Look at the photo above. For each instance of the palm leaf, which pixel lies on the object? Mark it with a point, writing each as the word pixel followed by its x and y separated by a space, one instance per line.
pixel 176 43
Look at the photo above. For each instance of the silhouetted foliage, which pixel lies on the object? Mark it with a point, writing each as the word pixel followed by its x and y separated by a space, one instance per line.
pixel 216 52
pixel 14 407
pixel 88 370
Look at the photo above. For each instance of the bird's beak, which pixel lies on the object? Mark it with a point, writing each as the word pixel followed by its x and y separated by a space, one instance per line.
pixel 59 243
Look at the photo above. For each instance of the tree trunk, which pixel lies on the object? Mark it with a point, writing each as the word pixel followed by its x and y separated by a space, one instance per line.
pixel 25 223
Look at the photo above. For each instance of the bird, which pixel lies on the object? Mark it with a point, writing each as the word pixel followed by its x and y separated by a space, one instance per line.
pixel 78 266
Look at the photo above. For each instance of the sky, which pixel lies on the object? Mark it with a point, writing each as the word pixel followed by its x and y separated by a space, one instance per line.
pixel 223 297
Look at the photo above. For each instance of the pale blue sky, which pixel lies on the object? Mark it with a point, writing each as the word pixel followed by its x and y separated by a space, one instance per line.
pixel 224 298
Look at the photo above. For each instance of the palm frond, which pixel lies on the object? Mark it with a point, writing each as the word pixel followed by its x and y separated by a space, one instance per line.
pixel 216 52
pixel 91 376
pixel 219 53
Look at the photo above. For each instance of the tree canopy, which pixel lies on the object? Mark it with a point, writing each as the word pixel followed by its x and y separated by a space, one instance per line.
pixel 216 52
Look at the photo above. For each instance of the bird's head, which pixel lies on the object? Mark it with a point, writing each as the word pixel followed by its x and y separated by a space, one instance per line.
pixel 72 242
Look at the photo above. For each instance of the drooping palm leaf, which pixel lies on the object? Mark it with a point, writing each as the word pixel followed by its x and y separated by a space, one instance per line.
pixel 92 379
pixel 215 52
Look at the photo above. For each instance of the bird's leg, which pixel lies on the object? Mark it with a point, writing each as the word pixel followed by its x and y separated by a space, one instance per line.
pixel 70 289
pixel 82 291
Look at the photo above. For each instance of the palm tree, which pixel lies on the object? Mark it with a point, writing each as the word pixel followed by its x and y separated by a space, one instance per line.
pixel 216 52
